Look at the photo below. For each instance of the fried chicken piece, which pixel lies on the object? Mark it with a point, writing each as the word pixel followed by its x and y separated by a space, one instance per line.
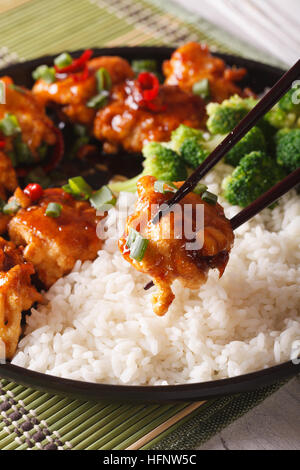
pixel 53 245
pixel 125 123
pixel 179 247
pixel 16 294
pixel 37 129
pixel 72 95
pixel 8 177
pixel 193 62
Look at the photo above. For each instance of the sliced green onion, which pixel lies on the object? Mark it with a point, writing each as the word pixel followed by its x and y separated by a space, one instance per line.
pixel 67 189
pixel 38 176
pixel 80 142
pixel 11 207
pixel 22 151
pixel 13 158
pixel 200 188
pixel 53 210
pixel 42 150
pixel 98 101
pixel 102 198
pixel 164 187
pixel 202 88
pixel 9 125
pixel 137 244
pixel 209 197
pixel 80 187
pixel 146 65
pixel 103 78
pixel 17 88
pixel 63 60
pixel 2 204
pixel 80 130
pixel 131 237
pixel 45 73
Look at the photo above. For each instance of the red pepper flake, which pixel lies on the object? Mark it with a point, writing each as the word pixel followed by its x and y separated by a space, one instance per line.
pixel 34 191
pixel 77 64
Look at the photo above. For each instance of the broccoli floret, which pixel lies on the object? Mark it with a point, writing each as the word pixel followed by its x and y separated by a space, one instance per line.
pixel 161 162
pixel 255 174
pixel 183 133
pixel 193 152
pixel 288 102
pixel 225 116
pixel 279 118
pixel 253 140
pixel 288 148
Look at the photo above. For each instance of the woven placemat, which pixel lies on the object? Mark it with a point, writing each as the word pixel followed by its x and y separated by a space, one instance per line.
pixel 32 419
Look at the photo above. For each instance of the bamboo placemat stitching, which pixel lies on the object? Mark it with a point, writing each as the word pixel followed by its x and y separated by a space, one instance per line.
pixel 36 420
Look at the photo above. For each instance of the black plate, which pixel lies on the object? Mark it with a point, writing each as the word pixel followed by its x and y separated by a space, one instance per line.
pixel 259 77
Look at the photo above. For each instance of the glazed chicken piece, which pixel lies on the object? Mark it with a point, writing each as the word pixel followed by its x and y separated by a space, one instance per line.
pixel 126 122
pixel 72 94
pixel 16 294
pixel 8 177
pixel 193 62
pixel 53 244
pixel 177 247
pixel 36 128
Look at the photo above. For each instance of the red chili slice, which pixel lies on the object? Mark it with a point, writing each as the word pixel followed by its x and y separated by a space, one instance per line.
pixel 83 76
pixel 149 85
pixel 2 144
pixel 34 191
pixel 76 64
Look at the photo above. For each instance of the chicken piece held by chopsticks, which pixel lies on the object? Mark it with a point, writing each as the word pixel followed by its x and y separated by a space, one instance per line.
pixel 175 248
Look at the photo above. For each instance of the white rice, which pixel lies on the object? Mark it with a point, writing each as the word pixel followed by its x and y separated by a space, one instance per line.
pixel 99 325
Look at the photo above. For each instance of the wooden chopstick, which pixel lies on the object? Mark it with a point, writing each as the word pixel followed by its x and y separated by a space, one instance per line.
pixel 266 199
pixel 263 106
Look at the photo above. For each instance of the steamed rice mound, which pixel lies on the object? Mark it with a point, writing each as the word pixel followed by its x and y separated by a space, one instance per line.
pixel 99 325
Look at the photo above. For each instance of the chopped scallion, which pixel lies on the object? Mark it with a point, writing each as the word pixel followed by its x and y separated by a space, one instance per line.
pixel 102 199
pixel 63 60
pixel 11 207
pixel 80 187
pixel 202 88
pixel 98 101
pixel 53 210
pixel 137 244
pixel 209 197
pixel 22 151
pixel 9 125
pixel 103 78
pixel 45 73
pixel 2 204
pixel 17 88
pixel 146 65
pixel 164 187
pixel 200 188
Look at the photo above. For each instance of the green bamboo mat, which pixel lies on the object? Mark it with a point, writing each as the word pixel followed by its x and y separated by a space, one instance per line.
pixel 32 419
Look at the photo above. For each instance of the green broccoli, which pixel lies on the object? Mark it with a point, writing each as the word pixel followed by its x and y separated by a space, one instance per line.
pixel 183 133
pixel 223 117
pixel 253 140
pixel 255 174
pixel 279 118
pixel 193 152
pixel 161 162
pixel 288 148
pixel 193 144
